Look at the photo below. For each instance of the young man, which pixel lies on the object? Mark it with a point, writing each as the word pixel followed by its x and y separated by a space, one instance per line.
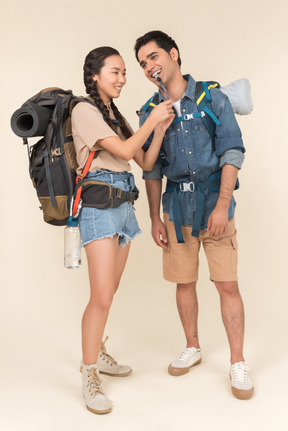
pixel 198 204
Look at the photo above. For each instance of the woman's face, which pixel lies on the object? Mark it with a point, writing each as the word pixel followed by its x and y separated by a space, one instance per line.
pixel 111 78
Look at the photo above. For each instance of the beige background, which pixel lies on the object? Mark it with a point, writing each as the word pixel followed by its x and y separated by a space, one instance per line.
pixel 44 44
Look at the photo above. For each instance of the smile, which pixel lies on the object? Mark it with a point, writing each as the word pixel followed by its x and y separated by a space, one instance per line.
pixel 157 72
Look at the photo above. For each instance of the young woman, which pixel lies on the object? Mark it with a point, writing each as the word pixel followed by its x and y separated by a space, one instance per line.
pixel 103 231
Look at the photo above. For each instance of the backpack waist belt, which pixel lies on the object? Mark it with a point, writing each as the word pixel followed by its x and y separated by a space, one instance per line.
pixel 97 194
pixel 213 183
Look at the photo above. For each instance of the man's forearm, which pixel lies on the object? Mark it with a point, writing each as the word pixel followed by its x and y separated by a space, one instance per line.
pixel 228 181
pixel 154 190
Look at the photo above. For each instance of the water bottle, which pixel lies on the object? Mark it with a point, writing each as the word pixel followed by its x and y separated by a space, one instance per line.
pixel 72 244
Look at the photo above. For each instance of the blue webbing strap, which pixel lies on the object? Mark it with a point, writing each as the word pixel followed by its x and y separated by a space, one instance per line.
pixel 198 212
pixel 212 115
pixel 173 188
pixel 147 104
pixel 207 92
pixel 187 117
pixel 177 217
pixel 214 182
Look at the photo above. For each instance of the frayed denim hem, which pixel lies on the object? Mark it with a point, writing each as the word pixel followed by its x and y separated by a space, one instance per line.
pixel 124 239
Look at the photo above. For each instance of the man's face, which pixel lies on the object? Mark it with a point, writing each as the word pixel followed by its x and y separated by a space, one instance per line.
pixel 153 60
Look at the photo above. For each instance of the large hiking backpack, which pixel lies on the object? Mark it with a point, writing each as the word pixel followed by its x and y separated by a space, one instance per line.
pixel 52 160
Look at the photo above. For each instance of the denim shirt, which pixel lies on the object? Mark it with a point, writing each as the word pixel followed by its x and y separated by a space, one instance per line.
pixel 191 156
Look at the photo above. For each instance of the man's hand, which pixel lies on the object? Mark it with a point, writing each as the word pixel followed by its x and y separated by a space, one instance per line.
pixel 158 229
pixel 217 222
pixel 159 233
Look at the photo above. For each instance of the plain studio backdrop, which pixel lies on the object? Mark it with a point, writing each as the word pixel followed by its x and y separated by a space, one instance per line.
pixel 44 44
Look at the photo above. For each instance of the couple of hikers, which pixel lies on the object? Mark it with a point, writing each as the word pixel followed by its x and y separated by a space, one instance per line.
pixel 198 204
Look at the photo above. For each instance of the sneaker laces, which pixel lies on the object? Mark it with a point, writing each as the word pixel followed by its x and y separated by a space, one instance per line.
pixel 186 354
pixel 239 370
pixel 94 382
pixel 105 355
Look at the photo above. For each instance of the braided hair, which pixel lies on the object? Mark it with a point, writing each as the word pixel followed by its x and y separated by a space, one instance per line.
pixel 94 62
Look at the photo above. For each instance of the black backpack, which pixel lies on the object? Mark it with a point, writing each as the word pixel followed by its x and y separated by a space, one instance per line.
pixel 52 160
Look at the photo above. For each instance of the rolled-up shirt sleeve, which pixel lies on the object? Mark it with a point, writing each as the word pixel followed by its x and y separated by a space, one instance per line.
pixel 232 157
pixel 155 174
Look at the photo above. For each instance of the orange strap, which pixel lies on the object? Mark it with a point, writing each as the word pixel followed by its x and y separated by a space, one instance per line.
pixel 81 177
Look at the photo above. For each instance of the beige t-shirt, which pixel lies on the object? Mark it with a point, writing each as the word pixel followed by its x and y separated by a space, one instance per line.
pixel 88 126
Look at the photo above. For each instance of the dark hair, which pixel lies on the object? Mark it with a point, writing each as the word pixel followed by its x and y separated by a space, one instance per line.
pixel 162 39
pixel 94 62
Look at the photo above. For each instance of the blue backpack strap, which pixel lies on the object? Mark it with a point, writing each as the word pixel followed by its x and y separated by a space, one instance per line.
pixel 203 100
pixel 212 115
pixel 150 104
pixel 187 117
pixel 213 183
pixel 206 91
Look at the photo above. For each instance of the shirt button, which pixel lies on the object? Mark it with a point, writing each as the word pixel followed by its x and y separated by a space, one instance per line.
pixel 185 170
pixel 190 152
pixel 194 173
pixel 182 151
pixel 184 110
pixel 178 130
pixel 186 131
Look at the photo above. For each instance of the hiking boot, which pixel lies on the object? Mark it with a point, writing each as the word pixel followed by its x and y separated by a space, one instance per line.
pixel 188 359
pixel 108 365
pixel 95 399
pixel 241 385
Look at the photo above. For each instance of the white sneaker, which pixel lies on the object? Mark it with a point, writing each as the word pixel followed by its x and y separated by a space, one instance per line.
pixel 95 399
pixel 188 359
pixel 241 385
pixel 108 365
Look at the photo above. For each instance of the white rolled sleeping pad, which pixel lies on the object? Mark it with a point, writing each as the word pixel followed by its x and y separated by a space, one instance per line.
pixel 239 94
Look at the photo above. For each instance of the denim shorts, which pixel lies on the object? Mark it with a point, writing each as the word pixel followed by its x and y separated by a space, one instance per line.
pixel 106 223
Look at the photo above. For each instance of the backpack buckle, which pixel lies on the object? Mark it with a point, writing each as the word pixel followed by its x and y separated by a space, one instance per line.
pixel 118 192
pixel 188 117
pixel 56 152
pixel 186 187
pixel 79 178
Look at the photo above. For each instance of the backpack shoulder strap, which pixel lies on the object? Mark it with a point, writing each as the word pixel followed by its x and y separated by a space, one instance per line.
pixel 203 101
pixel 77 99
pixel 150 104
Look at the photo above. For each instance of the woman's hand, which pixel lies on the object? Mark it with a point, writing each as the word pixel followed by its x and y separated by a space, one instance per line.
pixel 162 113
pixel 163 126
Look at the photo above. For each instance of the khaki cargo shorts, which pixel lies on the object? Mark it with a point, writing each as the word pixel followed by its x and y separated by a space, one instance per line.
pixel 181 261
